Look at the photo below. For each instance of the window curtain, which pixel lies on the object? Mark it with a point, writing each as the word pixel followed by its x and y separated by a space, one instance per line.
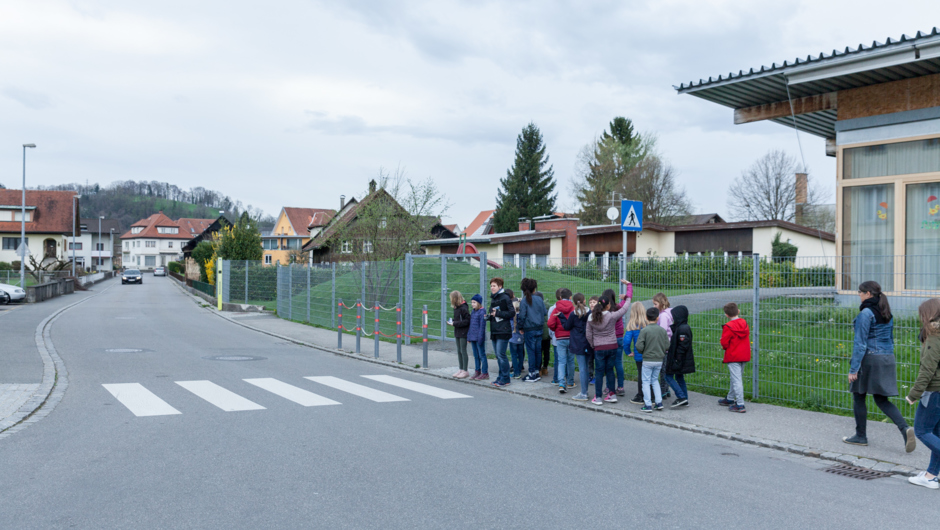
pixel 868 235
pixel 922 266
pixel 904 158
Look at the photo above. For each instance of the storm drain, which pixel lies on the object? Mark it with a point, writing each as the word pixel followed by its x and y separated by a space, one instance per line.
pixel 124 350
pixel 860 473
pixel 234 358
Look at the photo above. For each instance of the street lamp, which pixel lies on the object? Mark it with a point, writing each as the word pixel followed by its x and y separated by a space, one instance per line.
pixel 23 222
pixel 74 227
pixel 111 249
pixel 100 217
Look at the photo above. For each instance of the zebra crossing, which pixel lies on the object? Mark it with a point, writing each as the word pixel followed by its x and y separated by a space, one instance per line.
pixel 141 402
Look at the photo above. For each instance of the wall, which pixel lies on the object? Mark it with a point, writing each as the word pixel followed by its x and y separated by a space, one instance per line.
pixel 733 241
pixel 885 98
pixel 569 245
pixel 650 243
pixel 807 246
pixel 556 248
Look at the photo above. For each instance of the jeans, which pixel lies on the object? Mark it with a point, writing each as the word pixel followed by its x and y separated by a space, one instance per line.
pixel 861 413
pixel 518 357
pixel 605 368
pixel 618 364
pixel 584 372
pixel 565 363
pixel 533 346
pixel 462 359
pixel 479 356
pixel 927 429
pixel 736 392
pixel 650 378
pixel 677 383
pixel 502 360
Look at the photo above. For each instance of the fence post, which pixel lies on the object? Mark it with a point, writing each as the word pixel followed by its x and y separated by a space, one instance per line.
pixel 409 298
pixel 308 293
pixel 358 323
pixel 376 329
pixel 246 282
pixel 363 280
pixel 755 331
pixel 443 298
pixel 424 337
pixel 400 284
pixel 522 264
pixel 398 329
pixel 290 291
pixel 339 327
pixel 333 291
pixel 483 274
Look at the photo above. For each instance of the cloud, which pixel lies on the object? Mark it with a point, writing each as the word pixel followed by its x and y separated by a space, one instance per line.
pixel 28 98
pixel 462 132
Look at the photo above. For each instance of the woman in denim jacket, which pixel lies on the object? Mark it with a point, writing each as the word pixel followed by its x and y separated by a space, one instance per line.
pixel 873 368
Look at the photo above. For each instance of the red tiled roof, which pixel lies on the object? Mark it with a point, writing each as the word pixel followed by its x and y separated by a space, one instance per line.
pixel 188 228
pixel 52 213
pixel 478 221
pixel 321 218
pixel 300 218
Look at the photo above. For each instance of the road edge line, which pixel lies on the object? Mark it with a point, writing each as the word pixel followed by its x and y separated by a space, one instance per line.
pixel 55 377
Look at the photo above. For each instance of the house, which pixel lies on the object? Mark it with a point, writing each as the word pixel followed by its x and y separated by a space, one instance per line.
pixel 559 240
pixel 50 220
pixel 97 244
pixel 158 240
pixel 878 109
pixel 291 231
pixel 207 234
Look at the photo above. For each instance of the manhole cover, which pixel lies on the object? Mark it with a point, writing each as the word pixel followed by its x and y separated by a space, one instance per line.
pixel 124 350
pixel 234 358
pixel 860 473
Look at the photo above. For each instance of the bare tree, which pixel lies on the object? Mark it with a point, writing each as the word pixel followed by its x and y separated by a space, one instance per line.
pixel 767 190
pixel 653 181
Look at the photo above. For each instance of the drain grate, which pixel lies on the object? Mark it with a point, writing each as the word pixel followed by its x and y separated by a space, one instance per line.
pixel 124 350
pixel 860 473
pixel 235 358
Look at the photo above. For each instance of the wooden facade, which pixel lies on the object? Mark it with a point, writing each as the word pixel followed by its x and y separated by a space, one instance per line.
pixel 732 241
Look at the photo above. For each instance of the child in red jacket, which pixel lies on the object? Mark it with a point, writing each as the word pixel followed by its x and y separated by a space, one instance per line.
pixel 736 341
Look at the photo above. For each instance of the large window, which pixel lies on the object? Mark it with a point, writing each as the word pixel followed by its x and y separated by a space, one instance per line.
pixel 168 230
pixel 922 245
pixel 10 243
pixel 75 246
pixel 269 244
pixel 150 244
pixel 868 235
pixel 294 244
pixel 902 158
pixel 150 261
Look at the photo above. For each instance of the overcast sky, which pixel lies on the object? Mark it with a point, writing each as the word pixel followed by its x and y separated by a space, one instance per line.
pixel 292 103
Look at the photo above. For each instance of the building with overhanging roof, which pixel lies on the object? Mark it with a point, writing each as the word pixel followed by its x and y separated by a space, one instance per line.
pixel 878 108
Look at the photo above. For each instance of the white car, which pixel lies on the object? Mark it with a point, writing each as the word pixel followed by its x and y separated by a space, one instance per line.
pixel 17 294
pixel 159 271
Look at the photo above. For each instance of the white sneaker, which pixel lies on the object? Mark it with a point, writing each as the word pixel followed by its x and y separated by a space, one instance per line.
pixel 922 480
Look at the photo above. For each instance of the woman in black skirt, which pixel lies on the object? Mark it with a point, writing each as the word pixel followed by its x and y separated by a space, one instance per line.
pixel 873 369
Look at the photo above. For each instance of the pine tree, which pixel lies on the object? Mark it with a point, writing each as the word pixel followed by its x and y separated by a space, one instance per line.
pixel 527 190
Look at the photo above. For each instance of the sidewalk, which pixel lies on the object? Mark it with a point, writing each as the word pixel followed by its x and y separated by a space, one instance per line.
pixel 793 430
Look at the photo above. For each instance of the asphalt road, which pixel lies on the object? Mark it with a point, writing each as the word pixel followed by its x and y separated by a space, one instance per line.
pixel 490 460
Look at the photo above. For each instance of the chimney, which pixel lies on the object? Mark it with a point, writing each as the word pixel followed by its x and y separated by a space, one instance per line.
pixel 801 197
pixel 342 202
pixel 371 186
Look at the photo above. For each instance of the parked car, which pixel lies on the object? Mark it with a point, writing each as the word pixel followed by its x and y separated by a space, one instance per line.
pixel 16 294
pixel 4 297
pixel 159 271
pixel 132 276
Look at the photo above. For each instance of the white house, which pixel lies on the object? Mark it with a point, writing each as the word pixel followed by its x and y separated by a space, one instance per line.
pixel 91 251
pixel 158 240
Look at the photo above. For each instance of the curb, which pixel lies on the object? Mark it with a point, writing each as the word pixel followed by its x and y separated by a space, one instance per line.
pixel 854 460
pixel 55 378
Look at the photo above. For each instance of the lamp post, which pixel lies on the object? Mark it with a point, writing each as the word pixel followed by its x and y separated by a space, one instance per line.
pixel 74 228
pixel 23 222
pixel 98 263
pixel 111 249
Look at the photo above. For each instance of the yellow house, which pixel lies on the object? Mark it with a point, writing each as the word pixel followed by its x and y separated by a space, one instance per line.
pixel 291 232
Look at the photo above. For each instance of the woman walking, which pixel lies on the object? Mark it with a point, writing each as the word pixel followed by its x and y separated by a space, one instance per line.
pixel 927 389
pixel 873 368
pixel 461 324
pixel 602 336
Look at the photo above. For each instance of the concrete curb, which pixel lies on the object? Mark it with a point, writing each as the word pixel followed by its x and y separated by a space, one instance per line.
pixel 887 467
pixel 55 378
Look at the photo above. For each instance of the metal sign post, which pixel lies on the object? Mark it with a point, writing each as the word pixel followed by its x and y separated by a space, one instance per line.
pixel 631 220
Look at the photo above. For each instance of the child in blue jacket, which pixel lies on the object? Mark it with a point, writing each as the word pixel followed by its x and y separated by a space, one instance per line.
pixel 476 336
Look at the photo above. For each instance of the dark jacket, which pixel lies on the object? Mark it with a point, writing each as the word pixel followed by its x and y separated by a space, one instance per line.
pixel 576 327
pixel 477 330
pixel 532 316
pixel 872 337
pixel 680 359
pixel 928 377
pixel 501 321
pixel 461 321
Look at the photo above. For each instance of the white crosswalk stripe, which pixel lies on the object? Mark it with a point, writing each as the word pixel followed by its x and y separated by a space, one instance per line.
pixel 218 396
pixel 286 391
pixel 139 400
pixel 417 387
pixel 357 390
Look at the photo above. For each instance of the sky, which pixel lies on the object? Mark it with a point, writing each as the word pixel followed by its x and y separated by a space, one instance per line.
pixel 294 103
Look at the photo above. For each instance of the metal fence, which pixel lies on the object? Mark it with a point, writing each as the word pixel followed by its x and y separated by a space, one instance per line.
pixel 249 282
pixel 204 287
pixel 800 310
pixel 12 277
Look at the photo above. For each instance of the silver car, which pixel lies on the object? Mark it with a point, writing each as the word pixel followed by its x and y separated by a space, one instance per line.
pixel 159 271
pixel 17 294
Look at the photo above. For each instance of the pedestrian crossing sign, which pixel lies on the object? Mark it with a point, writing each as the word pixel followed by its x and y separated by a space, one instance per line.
pixel 631 216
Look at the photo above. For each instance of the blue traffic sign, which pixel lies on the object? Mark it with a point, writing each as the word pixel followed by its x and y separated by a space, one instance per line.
pixel 631 216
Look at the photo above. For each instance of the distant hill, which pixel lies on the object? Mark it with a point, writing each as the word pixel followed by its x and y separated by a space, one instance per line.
pixel 129 201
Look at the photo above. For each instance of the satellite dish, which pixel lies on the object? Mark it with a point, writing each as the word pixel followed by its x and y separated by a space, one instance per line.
pixel 613 213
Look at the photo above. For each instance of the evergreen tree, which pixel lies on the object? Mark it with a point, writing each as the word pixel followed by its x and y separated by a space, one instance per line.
pixel 527 190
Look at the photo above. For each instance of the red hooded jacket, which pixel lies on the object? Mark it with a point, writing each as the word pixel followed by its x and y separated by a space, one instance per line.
pixel 736 340
pixel 564 307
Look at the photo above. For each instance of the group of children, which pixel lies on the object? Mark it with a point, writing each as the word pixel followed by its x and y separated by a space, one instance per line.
pixel 593 333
